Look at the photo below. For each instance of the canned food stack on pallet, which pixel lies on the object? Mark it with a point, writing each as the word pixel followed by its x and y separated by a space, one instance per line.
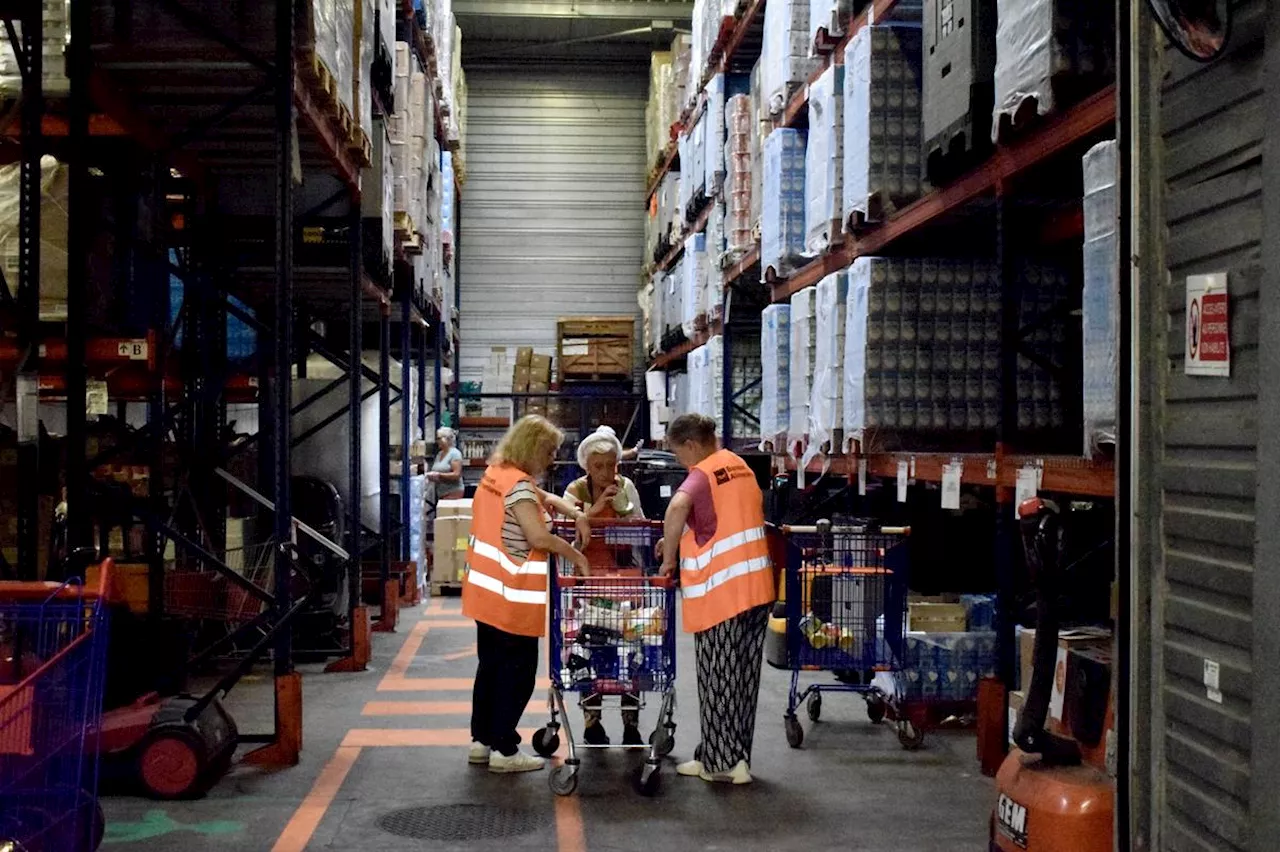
pixel 53 42
pixel 827 20
pixel 364 46
pixel 882 120
pixel 826 398
pixel 785 52
pixel 823 184
pixel 804 343
pixel 1100 307
pixel 1045 293
pixel 761 126
pixel 738 174
pixel 775 381
pixel 713 144
pixel 1048 54
pixel 783 203
pixel 923 347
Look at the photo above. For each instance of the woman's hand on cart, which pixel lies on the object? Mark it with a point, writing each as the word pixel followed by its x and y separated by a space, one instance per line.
pixel 580 562
pixel 582 525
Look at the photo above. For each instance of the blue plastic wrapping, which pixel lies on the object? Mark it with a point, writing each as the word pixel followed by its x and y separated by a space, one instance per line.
pixel 947 666
pixel 804 343
pixel 782 209
pixel 826 396
pixel 1100 300
pixel 775 383
pixel 784 58
pixel 823 161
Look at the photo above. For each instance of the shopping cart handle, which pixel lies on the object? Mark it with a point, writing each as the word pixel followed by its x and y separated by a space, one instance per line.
pixel 569 581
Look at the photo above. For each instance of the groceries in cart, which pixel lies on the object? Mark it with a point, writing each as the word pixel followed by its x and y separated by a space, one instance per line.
pixel 616 645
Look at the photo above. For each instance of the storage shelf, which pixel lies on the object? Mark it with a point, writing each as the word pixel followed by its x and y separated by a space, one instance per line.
pixel 706 331
pixel 698 226
pixel 1070 475
pixel 670 156
pixel 1057 134
pixel 484 422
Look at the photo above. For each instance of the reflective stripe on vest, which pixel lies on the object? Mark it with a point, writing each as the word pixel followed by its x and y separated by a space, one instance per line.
pixel 732 573
pixel 498 590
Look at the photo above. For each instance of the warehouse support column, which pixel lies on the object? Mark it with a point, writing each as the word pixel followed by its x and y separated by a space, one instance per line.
pixel 79 240
pixel 390 609
pixel 361 641
pixel 442 328
pixel 28 296
pixel 288 683
pixel 1007 532
pixel 406 396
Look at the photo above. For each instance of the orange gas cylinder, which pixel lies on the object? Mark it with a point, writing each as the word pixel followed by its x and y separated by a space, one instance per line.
pixel 1052 808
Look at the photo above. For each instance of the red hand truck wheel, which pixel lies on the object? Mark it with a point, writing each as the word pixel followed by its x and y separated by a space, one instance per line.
pixel 171 764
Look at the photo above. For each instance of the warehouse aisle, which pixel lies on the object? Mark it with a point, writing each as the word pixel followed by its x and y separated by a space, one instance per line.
pixel 385 766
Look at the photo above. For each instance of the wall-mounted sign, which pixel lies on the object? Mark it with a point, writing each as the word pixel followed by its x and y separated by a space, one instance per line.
pixel 1208 326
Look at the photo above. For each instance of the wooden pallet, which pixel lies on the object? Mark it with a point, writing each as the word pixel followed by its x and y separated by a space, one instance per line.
pixel 361 146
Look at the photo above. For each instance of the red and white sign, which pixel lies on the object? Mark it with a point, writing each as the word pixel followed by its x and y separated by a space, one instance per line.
pixel 1208 326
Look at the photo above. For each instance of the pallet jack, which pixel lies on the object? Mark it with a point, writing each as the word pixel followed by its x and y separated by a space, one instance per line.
pixel 1054 796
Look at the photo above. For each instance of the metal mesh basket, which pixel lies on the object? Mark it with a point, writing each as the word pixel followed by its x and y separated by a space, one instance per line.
pixel 207 594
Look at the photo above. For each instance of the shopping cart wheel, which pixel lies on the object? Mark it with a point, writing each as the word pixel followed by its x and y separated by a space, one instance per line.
pixel 795 733
pixel 814 706
pixel 647 779
pixel 546 742
pixel 909 735
pixel 663 740
pixel 876 709
pixel 563 780
pixel 171 763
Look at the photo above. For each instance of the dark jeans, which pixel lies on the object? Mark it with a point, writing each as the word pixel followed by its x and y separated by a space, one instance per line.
pixel 505 677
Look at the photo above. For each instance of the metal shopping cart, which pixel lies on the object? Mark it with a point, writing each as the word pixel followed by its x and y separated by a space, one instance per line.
pixel 845 613
pixel 52 669
pixel 612 638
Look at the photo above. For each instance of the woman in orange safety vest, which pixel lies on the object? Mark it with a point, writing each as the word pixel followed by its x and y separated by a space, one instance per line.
pixel 714 529
pixel 505 589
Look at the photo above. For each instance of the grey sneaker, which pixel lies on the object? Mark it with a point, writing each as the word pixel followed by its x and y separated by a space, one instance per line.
pixel 518 762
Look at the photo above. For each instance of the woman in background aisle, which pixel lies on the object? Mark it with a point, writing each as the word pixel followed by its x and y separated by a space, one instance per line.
pixel 715 526
pixel 446 470
pixel 604 496
pixel 505 590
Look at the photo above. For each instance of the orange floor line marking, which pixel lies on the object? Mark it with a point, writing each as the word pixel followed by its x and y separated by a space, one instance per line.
pixel 409 650
pixel 411 738
pixel 431 708
pixel 452 623
pixel 306 819
pixel 439 684
pixel 460 655
pixel 571 834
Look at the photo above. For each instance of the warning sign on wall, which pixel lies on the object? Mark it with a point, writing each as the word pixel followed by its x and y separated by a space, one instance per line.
pixel 1208 327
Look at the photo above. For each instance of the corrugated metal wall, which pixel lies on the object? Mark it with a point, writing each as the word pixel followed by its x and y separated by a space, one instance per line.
pixel 553 209
pixel 1212 124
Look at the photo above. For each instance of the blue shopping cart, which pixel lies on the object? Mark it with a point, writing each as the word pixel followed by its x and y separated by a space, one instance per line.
pixel 52 669
pixel 845 612
pixel 612 642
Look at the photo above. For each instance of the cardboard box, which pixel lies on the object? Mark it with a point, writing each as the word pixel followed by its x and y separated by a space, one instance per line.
pixel 452 530
pixel 930 617
pixel 540 368
pixel 520 379
pixel 539 386
pixel 1069 641
pixel 524 356
pixel 1026 656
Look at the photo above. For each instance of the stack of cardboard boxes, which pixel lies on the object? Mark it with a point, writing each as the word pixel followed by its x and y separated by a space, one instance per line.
pixel 1078 647
pixel 452 530
pixel 533 375
pixel 497 380
pixel 950 647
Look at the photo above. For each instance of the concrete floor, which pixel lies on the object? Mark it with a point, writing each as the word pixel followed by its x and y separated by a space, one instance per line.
pixel 394 738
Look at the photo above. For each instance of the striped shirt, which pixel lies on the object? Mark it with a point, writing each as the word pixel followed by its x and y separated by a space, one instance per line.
pixel 513 538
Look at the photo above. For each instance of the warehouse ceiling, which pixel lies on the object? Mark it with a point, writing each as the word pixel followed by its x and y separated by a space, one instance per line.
pixel 601 31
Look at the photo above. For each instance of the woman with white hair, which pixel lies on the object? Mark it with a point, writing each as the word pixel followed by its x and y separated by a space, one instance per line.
pixel 446 470
pixel 605 495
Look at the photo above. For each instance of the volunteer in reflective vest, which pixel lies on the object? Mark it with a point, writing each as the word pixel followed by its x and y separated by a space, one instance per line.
pixel 505 589
pixel 714 531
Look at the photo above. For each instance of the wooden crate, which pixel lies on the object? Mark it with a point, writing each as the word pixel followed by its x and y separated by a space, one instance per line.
pixel 595 347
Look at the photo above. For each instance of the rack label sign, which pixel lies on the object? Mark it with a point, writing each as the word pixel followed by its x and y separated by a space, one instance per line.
pixel 133 350
pixel 1208 327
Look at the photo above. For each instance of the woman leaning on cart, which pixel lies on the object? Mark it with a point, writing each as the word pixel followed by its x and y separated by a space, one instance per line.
pixel 505 590
pixel 715 524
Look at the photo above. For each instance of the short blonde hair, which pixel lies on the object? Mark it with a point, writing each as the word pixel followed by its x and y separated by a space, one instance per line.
pixel 525 441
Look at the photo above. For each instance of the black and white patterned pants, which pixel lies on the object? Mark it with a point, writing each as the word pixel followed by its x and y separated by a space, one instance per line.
pixel 729 657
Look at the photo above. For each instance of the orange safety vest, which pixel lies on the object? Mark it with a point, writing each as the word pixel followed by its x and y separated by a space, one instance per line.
pixel 499 590
pixel 732 572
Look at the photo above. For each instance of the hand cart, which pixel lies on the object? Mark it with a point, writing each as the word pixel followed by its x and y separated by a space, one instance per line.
pixel 52 670
pixel 612 637
pixel 845 610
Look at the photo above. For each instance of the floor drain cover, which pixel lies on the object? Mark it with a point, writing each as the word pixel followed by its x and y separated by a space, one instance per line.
pixel 461 822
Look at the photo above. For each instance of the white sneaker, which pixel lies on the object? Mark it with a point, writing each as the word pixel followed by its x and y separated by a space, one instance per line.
pixel 740 774
pixel 518 762
pixel 691 769
pixel 479 754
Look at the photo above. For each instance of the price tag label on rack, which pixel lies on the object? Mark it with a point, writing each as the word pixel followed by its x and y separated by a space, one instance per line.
pixel 96 400
pixel 1028 486
pixel 903 476
pixel 951 485
pixel 862 477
